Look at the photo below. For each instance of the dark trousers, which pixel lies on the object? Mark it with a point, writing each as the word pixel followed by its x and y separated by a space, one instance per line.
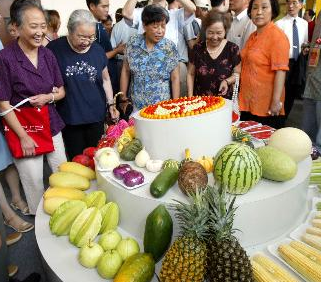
pixel 3 252
pixel 79 137
pixel 291 89
pixel 273 121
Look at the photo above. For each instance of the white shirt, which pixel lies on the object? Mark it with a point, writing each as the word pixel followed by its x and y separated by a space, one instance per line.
pixel 1 46
pixel 241 29
pixel 120 34
pixel 286 24
pixel 176 22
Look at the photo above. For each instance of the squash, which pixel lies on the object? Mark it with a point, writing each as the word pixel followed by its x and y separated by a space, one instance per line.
pixel 207 163
pixel 163 181
pixel 171 163
pixel 131 149
pixel 187 157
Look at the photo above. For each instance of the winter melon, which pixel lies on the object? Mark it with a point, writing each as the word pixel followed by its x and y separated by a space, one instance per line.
pixel 237 167
pixel 276 165
pixel 292 141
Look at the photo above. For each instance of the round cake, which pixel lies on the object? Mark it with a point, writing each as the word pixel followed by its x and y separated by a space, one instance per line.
pixel 202 124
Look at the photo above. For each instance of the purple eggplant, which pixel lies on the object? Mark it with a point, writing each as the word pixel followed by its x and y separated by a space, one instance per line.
pixel 121 170
pixel 133 178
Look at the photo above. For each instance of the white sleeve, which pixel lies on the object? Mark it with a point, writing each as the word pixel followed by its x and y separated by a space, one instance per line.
pixel 113 36
pixel 137 18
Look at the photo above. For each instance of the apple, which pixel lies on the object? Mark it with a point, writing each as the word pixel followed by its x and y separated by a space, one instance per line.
pixel 91 164
pixel 82 159
pixel 90 152
pixel 90 254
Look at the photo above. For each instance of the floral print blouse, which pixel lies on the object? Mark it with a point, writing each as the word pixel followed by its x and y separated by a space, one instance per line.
pixel 150 70
pixel 209 73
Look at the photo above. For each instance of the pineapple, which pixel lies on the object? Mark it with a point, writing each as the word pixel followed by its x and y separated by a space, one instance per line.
pixel 227 260
pixel 185 261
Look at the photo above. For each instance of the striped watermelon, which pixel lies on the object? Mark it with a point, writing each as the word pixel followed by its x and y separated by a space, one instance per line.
pixel 237 167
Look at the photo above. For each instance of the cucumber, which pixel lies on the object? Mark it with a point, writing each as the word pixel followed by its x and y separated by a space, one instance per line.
pixel 137 268
pixel 158 232
pixel 163 181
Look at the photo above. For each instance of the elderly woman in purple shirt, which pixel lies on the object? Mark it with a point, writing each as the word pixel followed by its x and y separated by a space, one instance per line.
pixel 29 70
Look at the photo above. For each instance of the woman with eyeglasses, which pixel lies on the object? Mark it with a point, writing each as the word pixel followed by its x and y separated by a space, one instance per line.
pixel 89 94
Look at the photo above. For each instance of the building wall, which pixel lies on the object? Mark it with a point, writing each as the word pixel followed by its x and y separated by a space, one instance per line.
pixel 65 7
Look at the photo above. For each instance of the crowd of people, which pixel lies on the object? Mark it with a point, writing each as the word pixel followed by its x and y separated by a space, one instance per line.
pixel 156 51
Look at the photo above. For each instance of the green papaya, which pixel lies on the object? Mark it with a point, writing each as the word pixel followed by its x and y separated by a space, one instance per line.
pixel 158 232
pixel 131 149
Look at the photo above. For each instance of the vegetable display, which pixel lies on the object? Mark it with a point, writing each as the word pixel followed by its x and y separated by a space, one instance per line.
pixel 121 170
pixel 154 165
pixel 133 178
pixel 131 149
pixel 142 158
pixel 164 181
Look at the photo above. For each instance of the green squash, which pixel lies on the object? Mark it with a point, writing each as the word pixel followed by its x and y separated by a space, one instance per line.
pixel 131 149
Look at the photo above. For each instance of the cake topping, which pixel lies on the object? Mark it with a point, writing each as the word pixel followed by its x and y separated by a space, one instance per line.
pixel 182 107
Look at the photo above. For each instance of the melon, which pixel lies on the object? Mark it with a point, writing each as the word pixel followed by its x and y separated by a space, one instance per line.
pixel 293 142
pixel 276 165
pixel 237 167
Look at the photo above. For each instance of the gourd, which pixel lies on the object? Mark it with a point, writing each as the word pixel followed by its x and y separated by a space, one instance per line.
pixel 171 163
pixel 158 232
pixel 131 149
pixel 187 156
pixel 207 163
pixel 163 181
pixel 237 167
pixel 142 158
pixel 137 268
pixel 292 141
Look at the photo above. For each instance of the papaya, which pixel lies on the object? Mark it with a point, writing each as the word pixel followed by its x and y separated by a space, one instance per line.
pixel 68 180
pixel 78 168
pixel 137 268
pixel 158 232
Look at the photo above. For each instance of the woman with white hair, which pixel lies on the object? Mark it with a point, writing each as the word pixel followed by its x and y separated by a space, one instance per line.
pixel 89 94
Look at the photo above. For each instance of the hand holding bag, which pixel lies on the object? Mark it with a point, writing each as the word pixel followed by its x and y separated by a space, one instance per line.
pixel 36 123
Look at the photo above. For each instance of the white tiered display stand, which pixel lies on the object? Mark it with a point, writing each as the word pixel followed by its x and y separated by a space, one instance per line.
pixel 267 214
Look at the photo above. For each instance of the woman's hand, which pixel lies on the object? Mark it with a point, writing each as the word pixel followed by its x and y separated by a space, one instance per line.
pixel 223 87
pixel 114 112
pixel 275 108
pixel 42 99
pixel 28 146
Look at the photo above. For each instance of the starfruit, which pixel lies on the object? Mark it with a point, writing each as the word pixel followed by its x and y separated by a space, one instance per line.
pixel 110 215
pixel 64 216
pixel 85 227
pixel 95 199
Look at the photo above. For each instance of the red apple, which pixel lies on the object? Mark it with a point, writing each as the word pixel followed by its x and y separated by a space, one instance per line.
pixel 82 159
pixel 90 152
pixel 91 164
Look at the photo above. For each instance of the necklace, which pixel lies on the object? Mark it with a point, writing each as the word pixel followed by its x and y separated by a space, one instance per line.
pixel 216 51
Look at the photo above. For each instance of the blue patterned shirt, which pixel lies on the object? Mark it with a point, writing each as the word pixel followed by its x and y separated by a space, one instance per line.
pixel 150 70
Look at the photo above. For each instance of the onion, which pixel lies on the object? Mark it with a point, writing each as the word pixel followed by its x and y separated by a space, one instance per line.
pixel 120 170
pixel 133 178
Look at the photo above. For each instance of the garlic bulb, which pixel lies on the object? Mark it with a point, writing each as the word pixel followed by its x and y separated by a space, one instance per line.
pixel 154 165
pixel 141 158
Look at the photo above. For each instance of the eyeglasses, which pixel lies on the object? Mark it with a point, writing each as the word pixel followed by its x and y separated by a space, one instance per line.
pixel 295 3
pixel 83 38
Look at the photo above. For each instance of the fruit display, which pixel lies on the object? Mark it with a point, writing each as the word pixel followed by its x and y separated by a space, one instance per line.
pixel 90 254
pixel 266 270
pixel 68 180
pixel 137 268
pixel 292 141
pixel 237 167
pixel 312 240
pixel 307 267
pixel 186 258
pixel 110 239
pixel 110 217
pixel 78 169
pixel 226 260
pixel 62 219
pixel 182 107
pixel 51 204
pixel 85 227
pixel 158 232
pixel 142 158
pixel 131 149
pixel 276 165
pixel 315 177
pixel 164 181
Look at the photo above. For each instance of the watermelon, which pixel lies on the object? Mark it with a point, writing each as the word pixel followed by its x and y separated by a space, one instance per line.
pixel 237 167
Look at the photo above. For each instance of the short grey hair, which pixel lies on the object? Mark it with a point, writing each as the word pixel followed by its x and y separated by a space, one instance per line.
pixel 79 17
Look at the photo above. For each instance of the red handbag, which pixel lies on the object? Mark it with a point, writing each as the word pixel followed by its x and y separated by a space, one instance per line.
pixel 36 123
